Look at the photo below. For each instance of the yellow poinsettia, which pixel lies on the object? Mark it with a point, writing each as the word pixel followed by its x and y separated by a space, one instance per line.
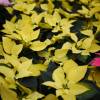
pixel 29 34
pixel 89 45
pixel 66 80
pixel 25 68
pixel 18 31
pixel 24 7
pixel 93 8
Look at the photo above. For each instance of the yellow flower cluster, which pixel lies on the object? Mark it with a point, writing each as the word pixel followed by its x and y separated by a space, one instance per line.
pixel 48 30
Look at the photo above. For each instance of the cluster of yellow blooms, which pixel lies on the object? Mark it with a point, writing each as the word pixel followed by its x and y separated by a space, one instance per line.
pixel 25 31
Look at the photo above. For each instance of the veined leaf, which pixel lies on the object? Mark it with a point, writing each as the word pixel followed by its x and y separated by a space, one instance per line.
pixel 84 11
pixel 77 89
pixel 74 49
pixel 50 6
pixel 64 93
pixel 24 7
pixel 13 60
pixel 11 47
pixel 52 20
pixel 66 5
pixel 87 43
pixel 36 18
pixel 87 32
pixel 28 35
pixel 74 37
pixel 94 47
pixel 68 65
pixel 60 55
pixel 38 45
pixel 9 27
pixel 76 74
pixel 59 77
pixel 66 24
pixel 51 84
pixel 67 46
pixel 36 69
pixel 69 97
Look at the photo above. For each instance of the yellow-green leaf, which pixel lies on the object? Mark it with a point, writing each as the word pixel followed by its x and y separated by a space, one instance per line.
pixel 34 96
pixel 38 45
pixel 50 97
pixel 76 74
pixel 59 77
pixel 7 93
pixel 77 89
pixel 68 65
pixel 11 47
pixel 74 37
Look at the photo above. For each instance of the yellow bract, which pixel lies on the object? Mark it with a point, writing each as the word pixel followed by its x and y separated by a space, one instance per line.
pixel 9 27
pixel 50 97
pixel 10 47
pixel 55 31
pixel 24 7
pixel 34 96
pixel 36 18
pixel 48 7
pixel 68 85
pixel 87 32
pixel 38 45
pixel 52 19
pixel 25 68
pixel 9 75
pixel 66 24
